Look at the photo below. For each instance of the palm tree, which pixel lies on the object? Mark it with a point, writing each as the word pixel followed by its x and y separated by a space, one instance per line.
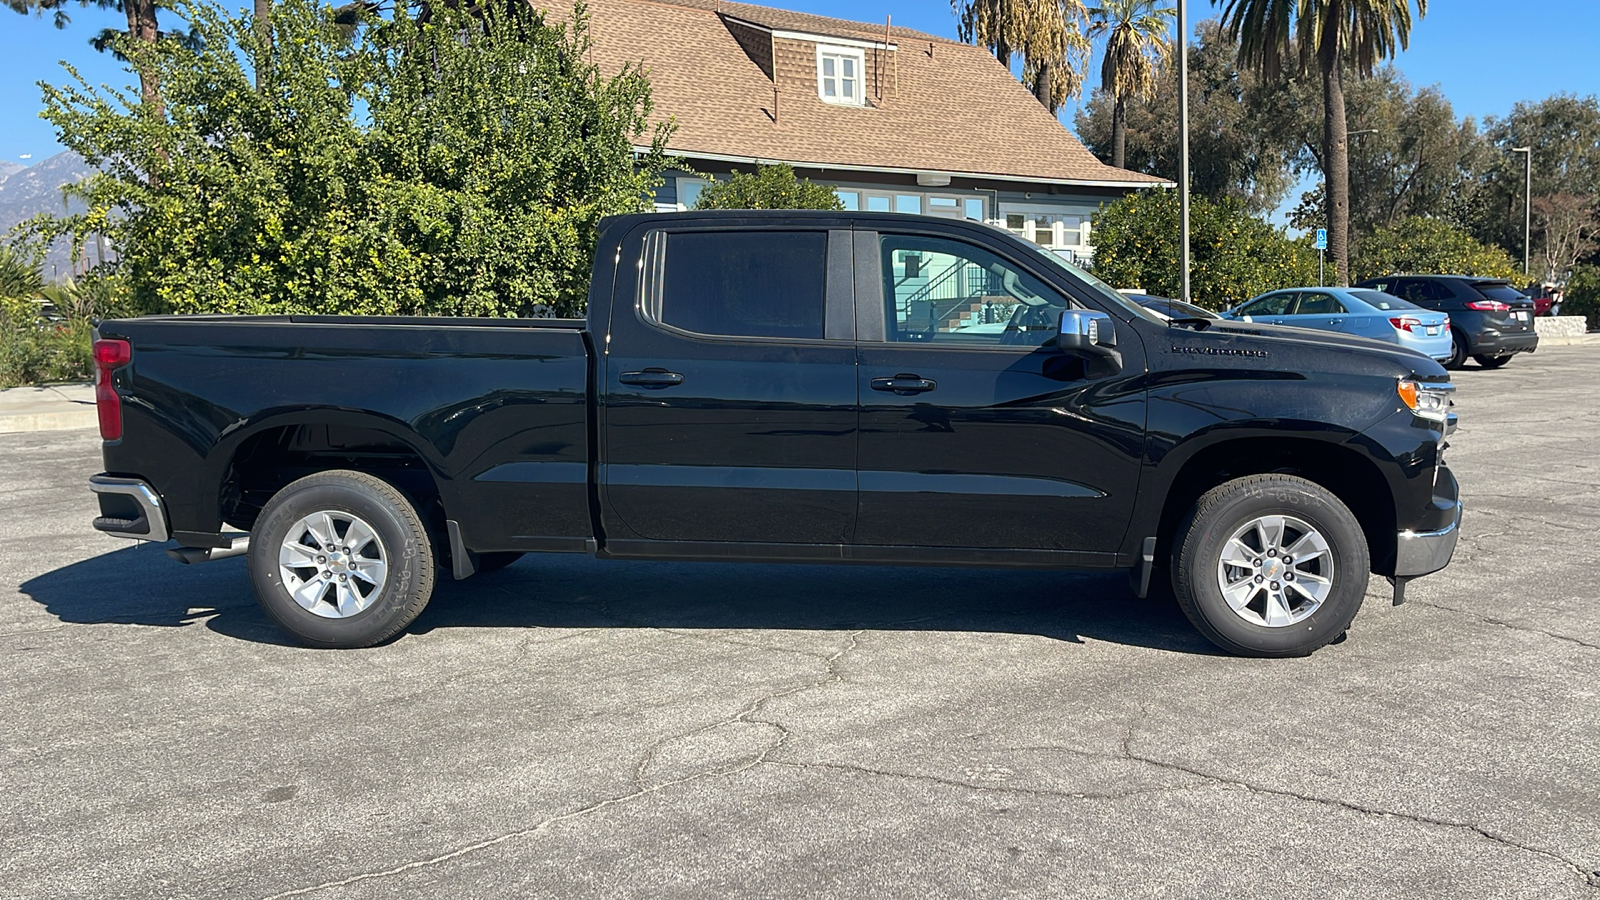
pixel 1137 47
pixel 1048 33
pixel 1332 34
pixel 141 27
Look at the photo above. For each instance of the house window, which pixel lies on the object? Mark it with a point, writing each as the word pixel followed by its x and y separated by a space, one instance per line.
pixel 839 75
pixel 1057 231
pixel 689 190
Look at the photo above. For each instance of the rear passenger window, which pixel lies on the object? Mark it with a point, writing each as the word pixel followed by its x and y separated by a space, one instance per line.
pixel 744 283
pixel 1316 303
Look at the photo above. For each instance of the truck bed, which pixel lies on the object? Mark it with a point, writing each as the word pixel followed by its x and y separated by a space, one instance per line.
pixel 490 408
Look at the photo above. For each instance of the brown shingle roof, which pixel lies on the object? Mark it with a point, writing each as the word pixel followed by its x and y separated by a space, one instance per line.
pixel 945 106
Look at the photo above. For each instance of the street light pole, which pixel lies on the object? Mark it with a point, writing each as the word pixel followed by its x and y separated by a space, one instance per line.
pixel 1183 145
pixel 1527 205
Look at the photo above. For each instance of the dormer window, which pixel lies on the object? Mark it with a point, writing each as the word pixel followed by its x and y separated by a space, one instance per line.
pixel 839 75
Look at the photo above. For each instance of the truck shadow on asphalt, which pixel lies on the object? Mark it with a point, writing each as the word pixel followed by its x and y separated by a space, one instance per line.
pixel 141 586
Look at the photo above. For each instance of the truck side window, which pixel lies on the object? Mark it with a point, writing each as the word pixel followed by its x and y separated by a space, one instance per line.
pixel 951 292
pixel 745 283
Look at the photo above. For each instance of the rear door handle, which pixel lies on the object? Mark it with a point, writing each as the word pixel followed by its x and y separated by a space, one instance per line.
pixel 904 385
pixel 651 378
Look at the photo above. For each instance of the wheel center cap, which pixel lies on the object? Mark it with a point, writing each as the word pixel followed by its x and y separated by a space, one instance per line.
pixel 1272 568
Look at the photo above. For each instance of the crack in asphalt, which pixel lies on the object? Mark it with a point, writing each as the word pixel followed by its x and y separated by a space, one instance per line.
pixel 1512 626
pixel 831 676
pixel 1590 877
pixel 984 787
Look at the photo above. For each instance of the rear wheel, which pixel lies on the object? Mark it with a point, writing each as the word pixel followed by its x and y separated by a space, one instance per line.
pixel 1492 362
pixel 1270 565
pixel 341 559
pixel 1458 350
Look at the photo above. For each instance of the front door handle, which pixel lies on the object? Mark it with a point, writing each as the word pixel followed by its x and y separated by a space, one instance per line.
pixel 651 378
pixel 904 385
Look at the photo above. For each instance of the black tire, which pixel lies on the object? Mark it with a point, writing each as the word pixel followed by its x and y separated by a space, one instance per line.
pixel 494 562
pixel 1209 527
pixel 402 544
pixel 1458 350
pixel 1492 362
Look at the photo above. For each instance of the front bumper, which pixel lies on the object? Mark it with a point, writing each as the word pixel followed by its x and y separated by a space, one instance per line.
pixel 1424 552
pixel 129 508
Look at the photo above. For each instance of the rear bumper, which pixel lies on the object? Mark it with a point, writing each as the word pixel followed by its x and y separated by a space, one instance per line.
pixel 129 508
pixel 1493 343
pixel 1424 552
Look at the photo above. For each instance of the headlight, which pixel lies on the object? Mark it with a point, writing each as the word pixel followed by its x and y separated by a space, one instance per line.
pixel 1430 401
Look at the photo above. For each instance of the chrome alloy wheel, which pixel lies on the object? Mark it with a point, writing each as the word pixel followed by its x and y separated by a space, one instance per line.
pixel 1275 571
pixel 333 564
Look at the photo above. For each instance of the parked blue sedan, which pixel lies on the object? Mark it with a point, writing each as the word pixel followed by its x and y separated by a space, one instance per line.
pixel 1360 312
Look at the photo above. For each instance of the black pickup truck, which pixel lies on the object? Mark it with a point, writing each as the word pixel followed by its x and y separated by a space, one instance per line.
pixel 787 387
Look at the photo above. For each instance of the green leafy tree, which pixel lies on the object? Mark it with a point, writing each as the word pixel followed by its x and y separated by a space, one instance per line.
pixel 771 187
pixel 1583 295
pixel 1564 134
pixel 1423 245
pixel 1242 142
pixel 1137 48
pixel 1235 255
pixel 1332 35
pixel 455 167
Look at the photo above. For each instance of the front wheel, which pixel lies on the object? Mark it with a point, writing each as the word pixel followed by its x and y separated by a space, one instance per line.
pixel 1492 362
pixel 1270 565
pixel 341 559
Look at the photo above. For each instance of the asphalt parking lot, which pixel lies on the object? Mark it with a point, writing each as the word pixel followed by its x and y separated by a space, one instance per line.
pixel 571 728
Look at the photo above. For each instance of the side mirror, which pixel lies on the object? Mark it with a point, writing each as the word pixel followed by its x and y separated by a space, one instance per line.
pixel 1086 331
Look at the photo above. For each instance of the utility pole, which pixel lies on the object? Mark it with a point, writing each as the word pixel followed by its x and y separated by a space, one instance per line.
pixel 1183 145
pixel 1527 205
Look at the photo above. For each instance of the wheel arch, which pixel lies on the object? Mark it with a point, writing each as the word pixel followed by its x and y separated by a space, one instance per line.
pixel 1344 471
pixel 255 461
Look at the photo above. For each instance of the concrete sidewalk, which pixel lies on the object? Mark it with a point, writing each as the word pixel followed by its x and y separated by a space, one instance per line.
pixel 52 408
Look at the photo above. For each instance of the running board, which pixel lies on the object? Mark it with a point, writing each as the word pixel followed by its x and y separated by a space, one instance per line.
pixel 238 545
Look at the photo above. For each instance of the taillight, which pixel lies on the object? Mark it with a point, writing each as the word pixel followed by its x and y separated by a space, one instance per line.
pixel 1488 306
pixel 109 354
pixel 1406 323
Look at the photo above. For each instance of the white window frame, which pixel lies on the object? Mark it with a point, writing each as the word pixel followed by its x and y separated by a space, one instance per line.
pixel 1057 235
pixel 686 181
pixel 860 59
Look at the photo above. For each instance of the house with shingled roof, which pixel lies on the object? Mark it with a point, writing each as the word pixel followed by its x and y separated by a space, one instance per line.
pixel 897 120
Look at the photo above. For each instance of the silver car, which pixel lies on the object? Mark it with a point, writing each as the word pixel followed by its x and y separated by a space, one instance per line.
pixel 1361 312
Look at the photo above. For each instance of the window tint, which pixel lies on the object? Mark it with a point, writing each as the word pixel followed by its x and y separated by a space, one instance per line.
pixel 745 283
pixel 1316 303
pixel 1505 293
pixel 1270 305
pixel 1426 293
pixel 950 292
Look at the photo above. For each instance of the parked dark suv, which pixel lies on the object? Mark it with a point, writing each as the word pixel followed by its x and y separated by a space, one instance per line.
pixel 1489 319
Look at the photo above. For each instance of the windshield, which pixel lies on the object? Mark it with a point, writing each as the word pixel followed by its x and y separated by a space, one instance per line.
pixel 1097 286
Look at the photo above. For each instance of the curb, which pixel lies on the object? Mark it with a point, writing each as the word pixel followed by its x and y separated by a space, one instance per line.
pixel 52 408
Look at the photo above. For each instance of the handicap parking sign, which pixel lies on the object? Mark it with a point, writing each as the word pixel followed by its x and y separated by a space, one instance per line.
pixel 1321 243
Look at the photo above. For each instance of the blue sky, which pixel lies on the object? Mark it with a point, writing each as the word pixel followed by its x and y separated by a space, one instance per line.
pixel 1484 58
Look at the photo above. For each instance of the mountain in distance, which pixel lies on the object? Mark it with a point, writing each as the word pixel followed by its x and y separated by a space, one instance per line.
pixel 8 169
pixel 35 190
